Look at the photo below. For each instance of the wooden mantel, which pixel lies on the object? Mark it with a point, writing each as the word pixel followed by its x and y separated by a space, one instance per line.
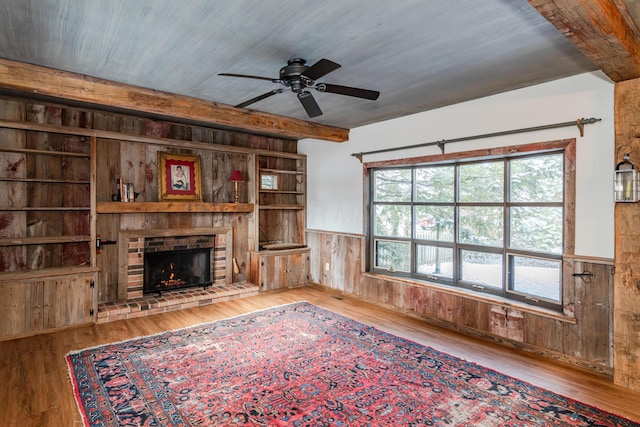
pixel 32 79
pixel 155 207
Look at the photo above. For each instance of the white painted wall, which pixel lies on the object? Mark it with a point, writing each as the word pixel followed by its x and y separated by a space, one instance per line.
pixel 335 185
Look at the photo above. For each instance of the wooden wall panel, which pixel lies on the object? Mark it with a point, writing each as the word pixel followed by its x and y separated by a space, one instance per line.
pixel 507 323
pixel 580 336
pixel 594 309
pixel 59 310
pixel 13 165
pixel 475 315
pixel 35 306
pixel 135 162
pixel 107 261
pixel 550 334
pixel 336 259
pixel 240 225
pixel 21 305
pixel 626 318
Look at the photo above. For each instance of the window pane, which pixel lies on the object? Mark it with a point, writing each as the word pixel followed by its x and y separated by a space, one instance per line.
pixel 482 182
pixel 537 179
pixel 393 221
pixel 435 223
pixel 537 229
pixel 392 185
pixel 434 260
pixel 481 225
pixel 482 268
pixel 538 277
pixel 393 255
pixel 435 184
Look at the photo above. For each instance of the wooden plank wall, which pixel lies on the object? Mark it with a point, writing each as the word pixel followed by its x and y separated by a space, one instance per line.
pixel 582 336
pixel 13 224
pixel 136 162
pixel 626 320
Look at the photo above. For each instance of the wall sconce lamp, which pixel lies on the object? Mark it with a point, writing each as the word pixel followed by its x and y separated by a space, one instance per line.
pixel 236 177
pixel 625 181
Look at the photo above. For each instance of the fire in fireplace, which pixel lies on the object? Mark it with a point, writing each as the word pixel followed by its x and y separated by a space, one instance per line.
pixel 177 269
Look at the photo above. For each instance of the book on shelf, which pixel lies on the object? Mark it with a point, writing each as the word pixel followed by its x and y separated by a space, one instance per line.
pixel 125 191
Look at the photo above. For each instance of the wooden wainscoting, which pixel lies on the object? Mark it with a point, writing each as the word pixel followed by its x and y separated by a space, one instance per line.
pixel 582 335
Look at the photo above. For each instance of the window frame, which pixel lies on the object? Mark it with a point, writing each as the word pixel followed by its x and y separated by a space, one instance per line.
pixel 507 289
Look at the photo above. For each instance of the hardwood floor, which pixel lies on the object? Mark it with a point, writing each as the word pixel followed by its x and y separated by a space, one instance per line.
pixel 35 389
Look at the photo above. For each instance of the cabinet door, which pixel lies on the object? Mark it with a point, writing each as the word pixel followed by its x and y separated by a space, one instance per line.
pixel 36 306
pixel 273 272
pixel 67 301
pixel 297 269
pixel 20 308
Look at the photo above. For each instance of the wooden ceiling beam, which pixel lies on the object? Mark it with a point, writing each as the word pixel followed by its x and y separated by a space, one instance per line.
pixel 32 79
pixel 602 30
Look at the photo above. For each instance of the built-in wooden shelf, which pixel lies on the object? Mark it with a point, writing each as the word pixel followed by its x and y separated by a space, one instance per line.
pixel 46 208
pixel 45 152
pixel 155 207
pixel 300 193
pixel 282 171
pixel 17 241
pixel 282 207
pixel 14 277
pixel 46 181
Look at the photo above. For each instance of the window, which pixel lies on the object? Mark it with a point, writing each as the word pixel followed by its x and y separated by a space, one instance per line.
pixel 492 225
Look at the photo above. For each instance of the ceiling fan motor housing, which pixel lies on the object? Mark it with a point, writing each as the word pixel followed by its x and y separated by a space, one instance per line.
pixel 291 75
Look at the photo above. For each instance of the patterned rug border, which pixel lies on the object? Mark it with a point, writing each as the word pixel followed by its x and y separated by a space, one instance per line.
pixel 195 325
pixel 360 324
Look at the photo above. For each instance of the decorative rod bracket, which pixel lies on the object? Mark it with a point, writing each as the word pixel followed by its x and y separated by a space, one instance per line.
pixel 581 122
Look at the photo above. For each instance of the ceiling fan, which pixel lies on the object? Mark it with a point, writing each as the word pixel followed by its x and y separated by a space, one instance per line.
pixel 298 77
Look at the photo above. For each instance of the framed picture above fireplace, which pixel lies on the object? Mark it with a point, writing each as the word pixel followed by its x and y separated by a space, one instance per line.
pixel 179 177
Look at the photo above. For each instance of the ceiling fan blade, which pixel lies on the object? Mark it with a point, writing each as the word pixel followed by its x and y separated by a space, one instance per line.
pixel 349 91
pixel 309 103
pixel 320 68
pixel 246 76
pixel 259 98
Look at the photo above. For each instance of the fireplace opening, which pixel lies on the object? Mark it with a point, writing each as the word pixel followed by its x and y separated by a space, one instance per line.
pixel 178 269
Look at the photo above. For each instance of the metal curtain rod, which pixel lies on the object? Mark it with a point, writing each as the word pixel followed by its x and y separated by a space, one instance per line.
pixel 580 123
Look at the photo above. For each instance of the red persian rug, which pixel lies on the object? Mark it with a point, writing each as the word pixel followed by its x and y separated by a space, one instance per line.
pixel 300 365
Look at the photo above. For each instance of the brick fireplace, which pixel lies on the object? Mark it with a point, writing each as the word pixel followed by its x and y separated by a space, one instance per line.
pixel 132 302
pixel 144 241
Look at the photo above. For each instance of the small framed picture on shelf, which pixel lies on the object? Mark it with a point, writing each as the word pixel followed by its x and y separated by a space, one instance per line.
pixel 179 177
pixel 268 182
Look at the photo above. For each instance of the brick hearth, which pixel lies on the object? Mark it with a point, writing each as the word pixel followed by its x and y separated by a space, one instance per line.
pixel 175 300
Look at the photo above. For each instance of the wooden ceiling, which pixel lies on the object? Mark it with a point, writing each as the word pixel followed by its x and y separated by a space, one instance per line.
pixel 163 57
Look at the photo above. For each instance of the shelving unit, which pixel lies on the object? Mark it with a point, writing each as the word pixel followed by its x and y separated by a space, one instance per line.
pixel 281 188
pixel 47 229
pixel 46 202
pixel 281 258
